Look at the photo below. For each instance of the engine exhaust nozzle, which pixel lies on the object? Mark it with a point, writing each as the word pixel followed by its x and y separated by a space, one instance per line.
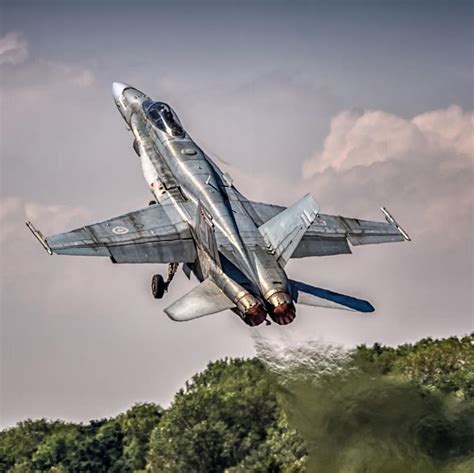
pixel 255 315
pixel 283 314
pixel 282 310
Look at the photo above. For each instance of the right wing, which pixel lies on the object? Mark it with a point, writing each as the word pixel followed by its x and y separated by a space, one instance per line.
pixel 329 234
pixel 154 234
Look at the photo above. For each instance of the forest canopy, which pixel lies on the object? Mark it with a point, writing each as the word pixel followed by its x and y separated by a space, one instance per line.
pixel 372 409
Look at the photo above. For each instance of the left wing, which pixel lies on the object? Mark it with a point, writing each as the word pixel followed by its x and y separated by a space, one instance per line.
pixel 154 234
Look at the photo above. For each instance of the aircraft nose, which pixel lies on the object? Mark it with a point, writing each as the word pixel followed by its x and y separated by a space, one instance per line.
pixel 118 88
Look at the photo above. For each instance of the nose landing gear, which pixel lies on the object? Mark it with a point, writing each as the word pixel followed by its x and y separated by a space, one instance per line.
pixel 158 285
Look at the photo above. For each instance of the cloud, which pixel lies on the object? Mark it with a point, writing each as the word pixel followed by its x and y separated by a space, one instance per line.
pixel 362 139
pixel 83 78
pixel 53 218
pixel 13 48
pixel 422 166
pixel 69 74
pixel 41 79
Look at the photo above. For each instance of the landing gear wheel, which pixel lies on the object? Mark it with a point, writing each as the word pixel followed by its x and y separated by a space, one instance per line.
pixel 152 202
pixel 158 286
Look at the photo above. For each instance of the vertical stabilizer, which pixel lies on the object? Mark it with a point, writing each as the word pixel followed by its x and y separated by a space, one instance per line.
pixel 283 232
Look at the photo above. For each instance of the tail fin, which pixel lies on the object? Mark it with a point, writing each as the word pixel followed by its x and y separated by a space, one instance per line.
pixel 285 230
pixel 317 297
pixel 202 300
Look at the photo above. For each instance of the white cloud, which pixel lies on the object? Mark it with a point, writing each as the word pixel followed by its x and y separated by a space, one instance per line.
pixel 50 218
pixel 13 48
pixel 423 166
pixel 449 129
pixel 362 139
pixel 68 74
pixel 83 78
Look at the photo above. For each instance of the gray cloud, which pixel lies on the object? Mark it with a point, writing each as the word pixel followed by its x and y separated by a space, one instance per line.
pixel 13 48
pixel 82 337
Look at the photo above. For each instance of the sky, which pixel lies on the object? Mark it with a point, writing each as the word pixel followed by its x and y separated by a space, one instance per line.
pixel 361 103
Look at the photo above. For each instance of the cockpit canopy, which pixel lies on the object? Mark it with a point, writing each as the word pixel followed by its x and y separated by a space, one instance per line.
pixel 163 117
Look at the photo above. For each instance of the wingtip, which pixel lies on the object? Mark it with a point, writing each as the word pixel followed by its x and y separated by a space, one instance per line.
pixel 39 236
pixel 390 219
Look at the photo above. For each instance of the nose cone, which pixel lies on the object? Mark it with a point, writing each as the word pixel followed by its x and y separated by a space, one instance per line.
pixel 118 88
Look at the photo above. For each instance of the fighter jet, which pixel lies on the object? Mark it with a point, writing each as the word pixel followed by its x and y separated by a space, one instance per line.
pixel 236 248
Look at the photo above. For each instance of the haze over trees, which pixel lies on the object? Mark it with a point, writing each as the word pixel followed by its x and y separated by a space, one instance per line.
pixel 375 409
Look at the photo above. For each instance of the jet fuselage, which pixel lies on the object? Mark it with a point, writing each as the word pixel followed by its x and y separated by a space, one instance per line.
pixel 177 170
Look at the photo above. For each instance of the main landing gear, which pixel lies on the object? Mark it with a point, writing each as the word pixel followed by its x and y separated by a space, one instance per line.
pixel 158 285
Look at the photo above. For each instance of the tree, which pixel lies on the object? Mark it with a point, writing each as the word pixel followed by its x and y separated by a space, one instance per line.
pixel 97 447
pixel 137 424
pixel 223 415
pixel 18 443
pixel 379 408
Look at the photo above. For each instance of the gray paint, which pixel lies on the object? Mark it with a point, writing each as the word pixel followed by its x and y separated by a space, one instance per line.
pixel 202 220
pixel 258 87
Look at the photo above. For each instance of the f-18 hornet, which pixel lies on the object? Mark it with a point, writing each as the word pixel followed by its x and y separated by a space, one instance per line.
pixel 236 248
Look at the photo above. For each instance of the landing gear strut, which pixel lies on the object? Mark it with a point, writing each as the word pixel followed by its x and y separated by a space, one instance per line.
pixel 158 285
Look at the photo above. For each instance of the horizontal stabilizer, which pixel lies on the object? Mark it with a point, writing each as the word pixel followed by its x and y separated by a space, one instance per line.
pixel 318 297
pixel 202 300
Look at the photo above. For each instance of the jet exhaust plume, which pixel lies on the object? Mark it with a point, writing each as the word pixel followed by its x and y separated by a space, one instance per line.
pixel 356 420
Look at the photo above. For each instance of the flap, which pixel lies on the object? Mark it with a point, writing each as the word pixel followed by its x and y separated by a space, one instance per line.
pixel 357 231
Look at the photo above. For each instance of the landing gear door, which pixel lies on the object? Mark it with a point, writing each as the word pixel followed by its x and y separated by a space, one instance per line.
pixel 206 233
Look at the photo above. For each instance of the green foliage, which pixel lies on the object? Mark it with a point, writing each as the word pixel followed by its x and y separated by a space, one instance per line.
pixel 446 365
pixel 137 424
pixel 223 415
pixel 18 444
pixel 114 445
pixel 98 447
pixel 283 451
pixel 382 409
pixel 363 423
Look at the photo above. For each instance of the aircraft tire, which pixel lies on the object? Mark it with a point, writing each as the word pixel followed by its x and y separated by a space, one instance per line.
pixel 158 286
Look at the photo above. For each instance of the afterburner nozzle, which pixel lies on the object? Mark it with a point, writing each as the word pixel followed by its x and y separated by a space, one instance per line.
pixel 255 315
pixel 283 314
pixel 282 309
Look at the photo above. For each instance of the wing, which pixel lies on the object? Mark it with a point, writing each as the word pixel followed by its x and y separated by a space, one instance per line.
pixel 154 234
pixel 330 234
